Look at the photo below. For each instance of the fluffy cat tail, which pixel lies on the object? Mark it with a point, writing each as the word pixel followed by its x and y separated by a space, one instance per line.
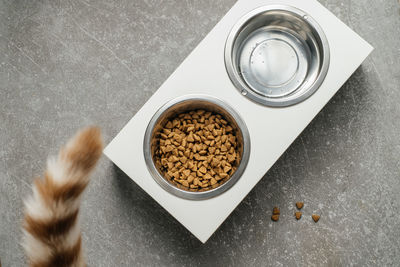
pixel 51 231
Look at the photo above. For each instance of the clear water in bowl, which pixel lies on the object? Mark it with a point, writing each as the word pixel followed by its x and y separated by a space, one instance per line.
pixel 273 62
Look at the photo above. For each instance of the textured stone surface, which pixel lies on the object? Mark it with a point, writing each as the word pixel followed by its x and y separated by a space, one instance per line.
pixel 66 64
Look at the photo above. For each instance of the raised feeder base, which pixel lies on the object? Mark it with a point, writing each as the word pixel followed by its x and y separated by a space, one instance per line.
pixel 271 129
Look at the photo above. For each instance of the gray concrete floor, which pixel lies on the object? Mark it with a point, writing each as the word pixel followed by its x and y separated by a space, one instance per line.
pixel 67 64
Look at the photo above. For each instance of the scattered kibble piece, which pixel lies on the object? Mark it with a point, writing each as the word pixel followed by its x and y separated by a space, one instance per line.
pixel 276 211
pixel 315 217
pixel 298 215
pixel 299 205
pixel 275 217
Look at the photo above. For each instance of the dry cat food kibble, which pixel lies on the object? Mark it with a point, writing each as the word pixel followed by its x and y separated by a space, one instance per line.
pixel 275 217
pixel 315 217
pixel 197 150
pixel 299 205
pixel 275 214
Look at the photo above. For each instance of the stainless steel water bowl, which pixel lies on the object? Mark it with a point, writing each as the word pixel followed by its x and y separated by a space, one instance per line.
pixel 277 55
pixel 187 103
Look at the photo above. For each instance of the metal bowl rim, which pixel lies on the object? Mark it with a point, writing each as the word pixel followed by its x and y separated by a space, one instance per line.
pixel 243 88
pixel 189 194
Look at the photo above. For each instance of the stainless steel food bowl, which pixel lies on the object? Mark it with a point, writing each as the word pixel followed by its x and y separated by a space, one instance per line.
pixel 277 55
pixel 187 103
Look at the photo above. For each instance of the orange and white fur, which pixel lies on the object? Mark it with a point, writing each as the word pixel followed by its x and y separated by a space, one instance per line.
pixel 51 230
